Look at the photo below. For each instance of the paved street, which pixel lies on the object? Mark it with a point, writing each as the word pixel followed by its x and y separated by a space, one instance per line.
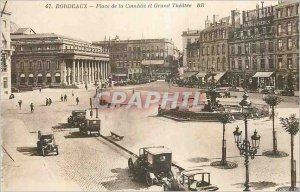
pixel 93 164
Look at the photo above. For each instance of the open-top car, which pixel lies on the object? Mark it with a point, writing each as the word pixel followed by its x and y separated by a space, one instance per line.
pixel 90 127
pixel 153 165
pixel 77 117
pixel 193 180
pixel 46 143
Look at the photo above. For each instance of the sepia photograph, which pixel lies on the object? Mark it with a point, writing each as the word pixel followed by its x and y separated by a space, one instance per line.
pixel 158 95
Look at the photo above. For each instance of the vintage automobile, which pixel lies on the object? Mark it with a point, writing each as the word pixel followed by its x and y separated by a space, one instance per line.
pixel 46 143
pixel 153 165
pixel 268 90
pixel 77 117
pixel 90 127
pixel 191 180
pixel 287 92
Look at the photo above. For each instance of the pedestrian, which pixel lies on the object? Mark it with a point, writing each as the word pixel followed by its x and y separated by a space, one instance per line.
pixel 20 104
pixel 72 94
pixel 86 87
pixel 47 102
pixel 31 107
pixel 77 100
pixel 65 97
pixel 61 98
pixel 50 101
pixel 132 91
pixel 40 89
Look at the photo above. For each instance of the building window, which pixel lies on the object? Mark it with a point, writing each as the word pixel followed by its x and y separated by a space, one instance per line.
pixel 233 64
pixel 30 66
pixel 5 83
pixel 3 63
pixel 57 65
pixel 279 14
pixel 223 49
pixel 239 50
pixel 246 48
pixel 22 66
pixel 289 63
pixel 280 44
pixel 279 63
pixel 289 11
pixel 39 64
pixel 271 46
pixel 289 28
pixel 279 29
pixel 262 47
pixel 240 65
pixel 212 50
pixel 254 64
pixel 262 63
pixel 253 48
pixel 271 63
pixel 232 49
pixel 48 65
pixel 289 43
pixel 247 64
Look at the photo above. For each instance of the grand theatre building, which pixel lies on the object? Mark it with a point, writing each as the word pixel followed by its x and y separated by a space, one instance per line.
pixel 55 60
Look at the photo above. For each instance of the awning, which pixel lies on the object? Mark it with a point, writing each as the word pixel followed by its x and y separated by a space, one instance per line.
pixel 48 75
pixel 201 75
pixel 218 76
pixel 57 74
pixel 120 75
pixel 263 74
pixel 153 62
pixel 40 75
pixel 22 75
pixel 188 74
pixel 30 75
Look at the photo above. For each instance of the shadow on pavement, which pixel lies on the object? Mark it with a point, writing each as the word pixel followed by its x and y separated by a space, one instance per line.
pixel 61 126
pixel 198 159
pixel 122 181
pixel 73 135
pixel 30 151
pixel 261 185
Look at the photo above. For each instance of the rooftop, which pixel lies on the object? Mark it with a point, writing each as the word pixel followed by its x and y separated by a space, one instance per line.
pixel 158 150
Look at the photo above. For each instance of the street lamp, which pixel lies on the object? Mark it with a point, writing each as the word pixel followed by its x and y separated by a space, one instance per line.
pixel 244 146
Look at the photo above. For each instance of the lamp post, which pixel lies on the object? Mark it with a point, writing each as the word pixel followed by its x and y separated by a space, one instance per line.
pixel 244 146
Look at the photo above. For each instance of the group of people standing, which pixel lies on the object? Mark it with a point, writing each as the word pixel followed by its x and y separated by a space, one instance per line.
pixel 31 105
pixel 64 98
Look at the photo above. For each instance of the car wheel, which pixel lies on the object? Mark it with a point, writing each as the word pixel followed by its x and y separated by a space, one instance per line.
pixel 149 180
pixel 130 164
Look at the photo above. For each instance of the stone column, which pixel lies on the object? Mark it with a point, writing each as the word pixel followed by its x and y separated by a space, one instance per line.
pixel 64 73
pixel 73 72
pixel 69 75
pixel 93 71
pixel 78 73
pixel 102 70
pixel 105 71
pixel 81 71
pixel 88 71
pixel 98 76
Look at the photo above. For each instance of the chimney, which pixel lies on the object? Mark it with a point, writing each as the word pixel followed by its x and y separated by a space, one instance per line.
pixel 244 17
pixel 257 9
pixel 262 8
pixel 233 18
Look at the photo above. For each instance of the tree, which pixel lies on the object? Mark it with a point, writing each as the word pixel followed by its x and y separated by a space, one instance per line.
pixel 273 101
pixel 291 125
pixel 224 118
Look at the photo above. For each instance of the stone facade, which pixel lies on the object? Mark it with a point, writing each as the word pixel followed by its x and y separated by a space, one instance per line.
pixel 252 48
pixel 189 37
pixel 131 59
pixel 51 59
pixel 287 40
pixel 6 52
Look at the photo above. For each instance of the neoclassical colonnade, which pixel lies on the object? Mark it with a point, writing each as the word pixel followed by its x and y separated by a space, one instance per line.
pixel 80 71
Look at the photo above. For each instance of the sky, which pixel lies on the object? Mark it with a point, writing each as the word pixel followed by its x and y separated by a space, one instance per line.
pixel 93 24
